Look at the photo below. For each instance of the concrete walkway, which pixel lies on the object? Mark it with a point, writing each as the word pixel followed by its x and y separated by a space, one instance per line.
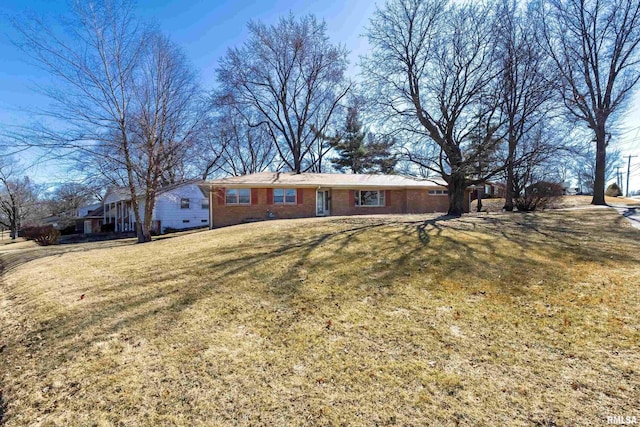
pixel 631 213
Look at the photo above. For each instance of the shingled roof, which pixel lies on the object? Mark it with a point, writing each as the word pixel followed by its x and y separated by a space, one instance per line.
pixel 332 180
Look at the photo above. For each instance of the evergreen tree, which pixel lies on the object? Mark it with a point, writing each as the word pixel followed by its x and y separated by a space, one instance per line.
pixel 358 156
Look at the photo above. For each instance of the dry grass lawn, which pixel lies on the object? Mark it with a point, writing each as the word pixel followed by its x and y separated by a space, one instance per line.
pixel 564 202
pixel 490 319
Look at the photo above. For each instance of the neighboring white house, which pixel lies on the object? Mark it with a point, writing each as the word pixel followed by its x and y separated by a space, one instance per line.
pixel 178 206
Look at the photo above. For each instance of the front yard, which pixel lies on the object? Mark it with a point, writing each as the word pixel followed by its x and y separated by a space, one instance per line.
pixel 490 319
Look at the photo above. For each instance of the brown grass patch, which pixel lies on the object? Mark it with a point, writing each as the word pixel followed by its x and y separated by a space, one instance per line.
pixel 410 320
pixel 564 202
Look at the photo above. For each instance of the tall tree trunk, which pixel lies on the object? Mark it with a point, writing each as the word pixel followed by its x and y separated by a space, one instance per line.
pixel 508 197
pixel 599 181
pixel 149 204
pixel 456 185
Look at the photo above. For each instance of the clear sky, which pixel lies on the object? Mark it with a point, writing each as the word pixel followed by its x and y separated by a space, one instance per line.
pixel 205 29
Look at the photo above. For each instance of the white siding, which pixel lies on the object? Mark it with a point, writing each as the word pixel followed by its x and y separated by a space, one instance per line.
pixel 114 197
pixel 170 214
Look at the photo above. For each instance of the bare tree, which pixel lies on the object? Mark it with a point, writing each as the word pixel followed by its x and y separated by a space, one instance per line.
pixel 293 77
pixel 434 69
pixel 167 119
pixel 67 197
pixel 18 196
pixel 527 91
pixel 583 165
pixel 594 44
pixel 123 95
pixel 235 146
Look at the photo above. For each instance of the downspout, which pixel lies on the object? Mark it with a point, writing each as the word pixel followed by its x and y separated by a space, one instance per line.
pixel 210 208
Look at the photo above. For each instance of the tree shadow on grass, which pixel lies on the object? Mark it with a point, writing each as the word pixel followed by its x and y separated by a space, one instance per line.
pixel 440 247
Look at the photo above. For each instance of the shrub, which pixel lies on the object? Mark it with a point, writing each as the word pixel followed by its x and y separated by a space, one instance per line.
pixel 43 236
pixel 108 228
pixel 538 195
pixel 69 229
pixel 613 190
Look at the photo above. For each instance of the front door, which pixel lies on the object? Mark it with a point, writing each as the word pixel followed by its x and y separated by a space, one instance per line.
pixel 320 198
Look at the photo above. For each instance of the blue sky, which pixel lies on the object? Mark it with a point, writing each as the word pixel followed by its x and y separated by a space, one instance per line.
pixel 205 29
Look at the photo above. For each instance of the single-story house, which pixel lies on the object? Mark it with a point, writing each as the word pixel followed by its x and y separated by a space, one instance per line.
pixel 268 195
pixel 178 206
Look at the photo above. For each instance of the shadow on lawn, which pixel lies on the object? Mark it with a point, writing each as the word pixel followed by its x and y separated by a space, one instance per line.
pixel 2 409
pixel 438 248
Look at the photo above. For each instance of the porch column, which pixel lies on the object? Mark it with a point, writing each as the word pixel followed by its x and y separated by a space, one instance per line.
pixel 122 215
pixel 115 227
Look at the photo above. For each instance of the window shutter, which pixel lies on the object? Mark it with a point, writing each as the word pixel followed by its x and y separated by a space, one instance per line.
pixel 254 196
pixel 299 192
pixel 269 196
pixel 222 196
pixel 352 197
pixel 387 197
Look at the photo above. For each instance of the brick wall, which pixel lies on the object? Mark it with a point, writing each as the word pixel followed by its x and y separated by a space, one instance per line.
pixel 342 203
pixel 224 214
pixel 420 201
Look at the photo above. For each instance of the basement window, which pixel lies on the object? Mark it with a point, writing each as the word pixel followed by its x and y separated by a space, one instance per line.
pixel 185 221
pixel 369 198
pixel 438 192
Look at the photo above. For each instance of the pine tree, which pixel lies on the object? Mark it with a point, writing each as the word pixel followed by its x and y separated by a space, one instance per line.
pixel 358 156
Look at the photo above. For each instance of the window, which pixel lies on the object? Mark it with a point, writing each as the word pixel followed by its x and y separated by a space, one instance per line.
pixel 205 204
pixel 238 196
pixel 438 192
pixel 369 198
pixel 184 203
pixel 185 221
pixel 203 221
pixel 283 196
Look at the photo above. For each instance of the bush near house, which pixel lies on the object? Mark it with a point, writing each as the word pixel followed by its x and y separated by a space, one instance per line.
pixel 538 195
pixel 43 236
pixel 108 228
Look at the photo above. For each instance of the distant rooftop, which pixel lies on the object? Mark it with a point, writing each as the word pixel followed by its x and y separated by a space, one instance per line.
pixel 333 180
pixel 124 193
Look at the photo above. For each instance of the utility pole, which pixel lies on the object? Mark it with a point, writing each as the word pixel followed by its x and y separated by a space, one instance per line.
pixel 628 173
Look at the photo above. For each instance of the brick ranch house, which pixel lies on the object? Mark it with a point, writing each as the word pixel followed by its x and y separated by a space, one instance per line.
pixel 271 195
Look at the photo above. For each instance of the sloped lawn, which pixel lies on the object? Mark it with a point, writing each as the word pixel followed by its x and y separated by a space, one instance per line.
pixel 490 319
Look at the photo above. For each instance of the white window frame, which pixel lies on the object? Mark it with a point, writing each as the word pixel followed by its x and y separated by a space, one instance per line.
pixel 237 196
pixel 284 196
pixel 381 198
pixel 438 192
